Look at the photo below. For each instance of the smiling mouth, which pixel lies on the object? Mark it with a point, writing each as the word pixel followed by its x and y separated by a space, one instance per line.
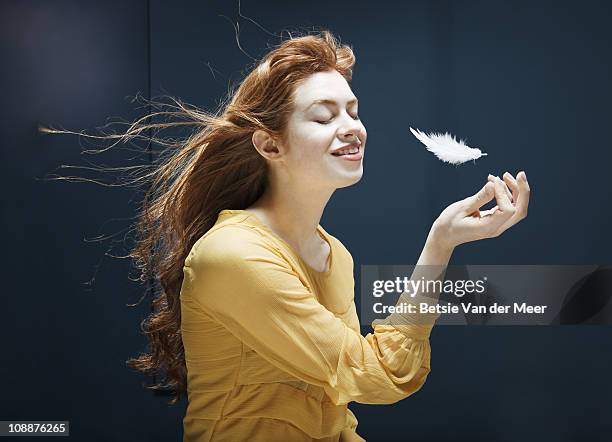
pixel 351 155
pixel 353 150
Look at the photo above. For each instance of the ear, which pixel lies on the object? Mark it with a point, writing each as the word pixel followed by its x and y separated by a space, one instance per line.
pixel 266 145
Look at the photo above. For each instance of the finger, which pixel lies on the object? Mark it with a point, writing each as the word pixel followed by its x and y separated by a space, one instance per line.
pixel 510 181
pixel 504 203
pixel 513 185
pixel 510 196
pixel 495 220
pixel 488 212
pixel 479 199
pixel 524 191
pixel 498 221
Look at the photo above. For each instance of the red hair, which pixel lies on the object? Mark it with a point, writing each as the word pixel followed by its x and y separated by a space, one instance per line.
pixel 215 168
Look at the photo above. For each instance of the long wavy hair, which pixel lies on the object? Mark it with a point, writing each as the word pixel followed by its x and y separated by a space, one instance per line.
pixel 216 167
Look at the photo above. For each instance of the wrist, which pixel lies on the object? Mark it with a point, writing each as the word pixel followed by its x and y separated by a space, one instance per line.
pixel 437 242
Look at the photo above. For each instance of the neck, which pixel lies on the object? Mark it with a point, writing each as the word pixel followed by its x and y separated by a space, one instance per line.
pixel 292 212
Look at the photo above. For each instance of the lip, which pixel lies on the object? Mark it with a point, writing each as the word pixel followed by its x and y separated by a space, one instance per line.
pixel 350 157
pixel 346 146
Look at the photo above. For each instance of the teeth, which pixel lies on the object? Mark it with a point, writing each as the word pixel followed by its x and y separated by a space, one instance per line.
pixel 347 151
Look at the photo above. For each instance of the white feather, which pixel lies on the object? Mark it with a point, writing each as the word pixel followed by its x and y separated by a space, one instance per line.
pixel 447 148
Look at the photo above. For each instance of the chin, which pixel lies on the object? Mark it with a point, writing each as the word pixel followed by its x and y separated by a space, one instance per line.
pixel 349 179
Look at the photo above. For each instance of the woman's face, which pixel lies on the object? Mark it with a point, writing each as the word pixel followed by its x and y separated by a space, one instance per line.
pixel 324 119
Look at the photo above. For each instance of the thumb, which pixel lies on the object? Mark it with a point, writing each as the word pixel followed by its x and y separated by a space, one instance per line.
pixel 480 198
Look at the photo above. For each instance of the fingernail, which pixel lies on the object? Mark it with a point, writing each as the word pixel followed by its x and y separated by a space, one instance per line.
pixel 524 175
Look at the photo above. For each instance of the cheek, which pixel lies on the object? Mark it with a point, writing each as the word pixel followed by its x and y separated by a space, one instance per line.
pixel 310 143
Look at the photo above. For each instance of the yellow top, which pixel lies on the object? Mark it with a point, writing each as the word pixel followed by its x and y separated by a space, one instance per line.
pixel 273 348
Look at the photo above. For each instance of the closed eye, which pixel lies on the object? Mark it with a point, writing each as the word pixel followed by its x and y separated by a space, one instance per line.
pixel 356 117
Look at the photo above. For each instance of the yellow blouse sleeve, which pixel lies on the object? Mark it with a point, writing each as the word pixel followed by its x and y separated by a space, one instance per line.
pixel 248 287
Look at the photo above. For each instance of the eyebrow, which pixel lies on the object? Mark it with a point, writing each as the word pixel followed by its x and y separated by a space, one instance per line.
pixel 328 101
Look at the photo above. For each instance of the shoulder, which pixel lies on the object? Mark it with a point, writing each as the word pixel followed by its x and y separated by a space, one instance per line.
pixel 230 243
pixel 233 259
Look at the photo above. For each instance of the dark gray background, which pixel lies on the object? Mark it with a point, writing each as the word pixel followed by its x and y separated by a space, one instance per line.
pixel 528 82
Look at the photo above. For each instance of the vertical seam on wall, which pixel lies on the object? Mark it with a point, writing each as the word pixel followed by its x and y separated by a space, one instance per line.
pixel 151 282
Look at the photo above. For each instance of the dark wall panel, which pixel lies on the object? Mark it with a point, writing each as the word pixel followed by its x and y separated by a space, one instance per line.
pixel 526 82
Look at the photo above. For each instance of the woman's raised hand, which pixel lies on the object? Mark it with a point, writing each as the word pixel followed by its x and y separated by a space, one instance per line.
pixel 463 221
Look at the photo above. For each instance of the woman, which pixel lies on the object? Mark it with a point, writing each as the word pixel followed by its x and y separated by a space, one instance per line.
pixel 271 335
pixel 256 319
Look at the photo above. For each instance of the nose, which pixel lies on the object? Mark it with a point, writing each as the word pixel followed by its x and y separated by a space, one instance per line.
pixel 353 131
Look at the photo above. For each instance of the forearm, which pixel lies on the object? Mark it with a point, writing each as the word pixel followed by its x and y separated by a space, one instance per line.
pixel 434 252
pixel 431 266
